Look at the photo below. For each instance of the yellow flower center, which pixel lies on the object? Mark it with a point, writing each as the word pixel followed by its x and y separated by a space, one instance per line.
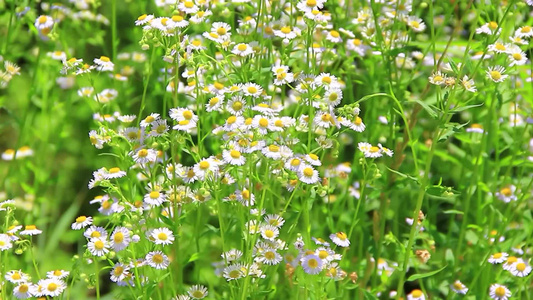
pixel 285 29
pixel 204 165
pixel 273 148
pixel 308 172
pixel 269 233
pixel 416 293
pixel 142 17
pixel 313 263
pixel 23 288
pixel 177 18
pixel 99 245
pixel 142 153
pixel 334 33
pixel 323 254
pixel 311 3
pixel 118 237
pixel 42 19
pixel 114 170
pixel 270 255
pixel 326 79
pixel 105 59
pixel 81 219
pixel 263 122
pixel 95 234
pixel 341 235
pixel 213 101
pixel 221 31
pixel 458 285
pixel 31 227
pixel 493 25
pixel 52 287
pixel 242 47
pixel 162 236
pixel 235 154
pixel 118 271
pixel 500 47
pixel 313 156
pixel 252 89
pixel 157 258
pixel 517 56
pixel 497 255
pixel 500 291
pixel 521 267
pixel 506 191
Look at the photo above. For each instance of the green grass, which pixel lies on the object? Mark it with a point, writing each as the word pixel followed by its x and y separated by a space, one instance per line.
pixel 210 175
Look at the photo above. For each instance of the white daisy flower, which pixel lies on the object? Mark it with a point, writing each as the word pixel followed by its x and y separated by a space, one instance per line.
pixel 119 272
pixel 498 258
pixel 24 290
pixel 252 89
pixel 308 175
pixel 59 274
pixel 312 264
pixel 16 276
pixel 44 22
pixel 82 222
pixel 51 287
pixel 499 292
pixel 197 292
pixel 162 236
pixel 120 238
pixel 104 64
pixel 98 246
pixel 340 239
pixel 30 230
pixel 157 260
pixel 496 74
pixel 155 198
pixel 520 269
pixel 459 287
pixel 233 157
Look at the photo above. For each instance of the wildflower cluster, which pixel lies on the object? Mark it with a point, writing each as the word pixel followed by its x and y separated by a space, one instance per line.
pixel 230 135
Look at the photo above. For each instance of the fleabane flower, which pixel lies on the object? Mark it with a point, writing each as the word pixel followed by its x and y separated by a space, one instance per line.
pixel 308 175
pixel 98 246
pixel 233 157
pixel 459 287
pixel 157 260
pixel 44 22
pixel 162 236
pixel 495 73
pixel 499 292
pixel 340 239
pixel 104 64
pixel 416 24
pixel 242 50
pixel 312 264
pixel 82 222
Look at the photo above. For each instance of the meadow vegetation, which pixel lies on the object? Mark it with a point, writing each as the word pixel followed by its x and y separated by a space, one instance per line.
pixel 256 149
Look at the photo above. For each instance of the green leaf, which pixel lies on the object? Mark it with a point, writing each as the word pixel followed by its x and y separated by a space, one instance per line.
pixel 428 274
pixel 430 109
pixel 194 257
pixel 404 175
pixel 463 108
pixel 449 257
pixel 453 211
pixel 450 129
